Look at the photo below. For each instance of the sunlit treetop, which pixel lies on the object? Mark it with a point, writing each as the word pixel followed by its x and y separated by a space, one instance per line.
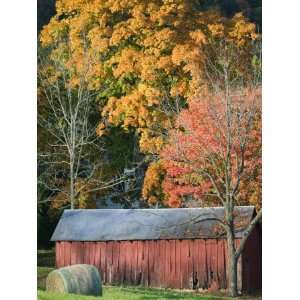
pixel 140 56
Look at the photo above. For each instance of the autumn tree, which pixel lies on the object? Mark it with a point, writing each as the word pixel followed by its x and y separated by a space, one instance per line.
pixel 214 153
pixel 146 59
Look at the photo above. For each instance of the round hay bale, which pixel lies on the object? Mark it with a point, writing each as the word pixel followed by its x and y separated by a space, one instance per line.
pixel 77 279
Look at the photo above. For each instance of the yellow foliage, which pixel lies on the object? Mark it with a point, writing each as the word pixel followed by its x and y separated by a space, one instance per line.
pixel 152 42
pixel 152 189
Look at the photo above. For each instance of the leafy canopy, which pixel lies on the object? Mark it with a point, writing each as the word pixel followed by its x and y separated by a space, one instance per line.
pixel 206 160
pixel 146 60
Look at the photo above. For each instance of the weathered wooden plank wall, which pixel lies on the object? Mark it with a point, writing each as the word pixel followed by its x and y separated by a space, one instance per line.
pixel 155 263
pixel 252 262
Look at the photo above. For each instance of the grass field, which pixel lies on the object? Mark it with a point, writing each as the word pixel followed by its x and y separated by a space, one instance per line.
pixel 125 293
pixel 119 293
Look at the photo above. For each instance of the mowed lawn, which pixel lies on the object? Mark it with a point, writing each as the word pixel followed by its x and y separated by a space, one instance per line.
pixel 124 293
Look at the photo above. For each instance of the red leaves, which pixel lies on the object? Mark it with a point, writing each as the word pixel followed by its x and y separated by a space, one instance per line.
pixel 207 132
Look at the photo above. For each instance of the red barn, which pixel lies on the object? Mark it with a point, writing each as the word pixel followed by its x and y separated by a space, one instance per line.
pixel 170 248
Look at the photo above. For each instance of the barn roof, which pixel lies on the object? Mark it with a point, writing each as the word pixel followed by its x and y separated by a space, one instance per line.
pixel 146 224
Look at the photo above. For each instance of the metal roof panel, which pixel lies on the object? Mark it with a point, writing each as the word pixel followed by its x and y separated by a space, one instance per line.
pixel 147 224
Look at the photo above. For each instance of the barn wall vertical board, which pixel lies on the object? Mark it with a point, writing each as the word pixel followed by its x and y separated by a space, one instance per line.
pixel 166 262
pixel 119 263
pixel 204 274
pixel 144 264
pixel 176 282
pixel 156 265
pixel 86 253
pixel 137 266
pixel 139 269
pixel 78 252
pixel 108 262
pixel 127 262
pixel 221 264
pixel 160 273
pixel 161 263
pixel 259 245
pixel 254 258
pixel 73 253
pixel 93 252
pixel 166 249
pixel 97 257
pixel 201 264
pixel 246 261
pixel 67 254
pixel 62 253
pixel 251 262
pixel 179 253
pixel 178 264
pixel 115 261
pixel 57 252
pixel 76 247
pixel 190 264
pixel 226 261
pixel 155 261
pixel 134 262
pixel 132 259
pixel 82 252
pixel 150 262
pixel 195 262
pixel 102 246
pixel 184 263
pixel 214 262
pixel 172 283
pixel 122 261
pixel 208 262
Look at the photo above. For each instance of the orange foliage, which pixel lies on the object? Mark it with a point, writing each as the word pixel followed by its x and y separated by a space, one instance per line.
pixel 152 188
pixel 151 41
pixel 140 56
pixel 198 147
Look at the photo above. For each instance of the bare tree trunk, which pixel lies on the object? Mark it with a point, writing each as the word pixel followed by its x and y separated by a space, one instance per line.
pixel 72 157
pixel 232 258
pixel 232 267
pixel 72 192
pixel 233 279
